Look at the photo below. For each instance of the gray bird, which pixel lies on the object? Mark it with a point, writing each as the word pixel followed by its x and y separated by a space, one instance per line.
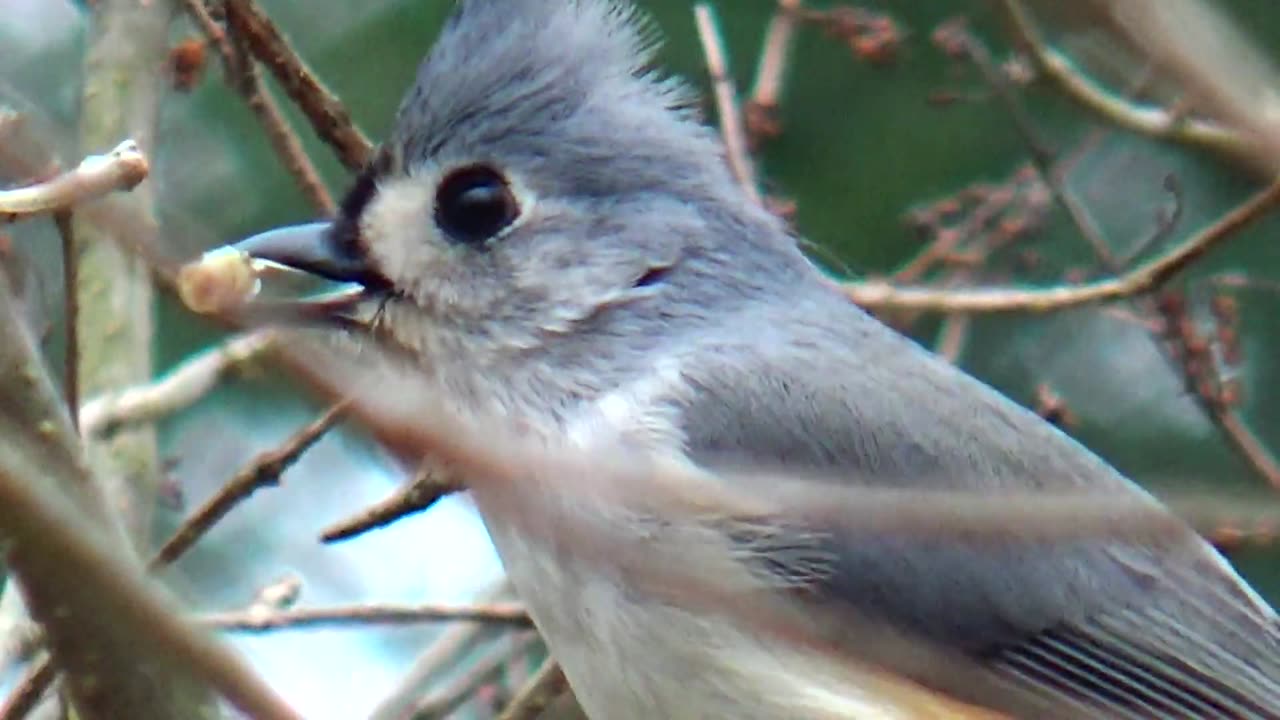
pixel 554 237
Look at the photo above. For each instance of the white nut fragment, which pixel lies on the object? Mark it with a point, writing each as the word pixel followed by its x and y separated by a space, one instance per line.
pixel 222 279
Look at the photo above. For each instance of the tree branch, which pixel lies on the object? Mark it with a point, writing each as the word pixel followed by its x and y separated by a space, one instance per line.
pixel 441 654
pixel 128 47
pixel 542 689
pixel 268 619
pixel 731 126
pixel 176 390
pixel 242 75
pixel 882 295
pixel 443 702
pixel 83 584
pixel 760 113
pixel 427 487
pixel 328 117
pixel 120 169
pixel 1148 120
pixel 263 471
pixel 71 309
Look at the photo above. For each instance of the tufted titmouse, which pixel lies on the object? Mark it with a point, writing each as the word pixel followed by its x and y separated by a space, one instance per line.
pixel 553 237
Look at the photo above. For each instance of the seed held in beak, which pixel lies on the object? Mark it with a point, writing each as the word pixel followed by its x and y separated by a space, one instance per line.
pixel 228 278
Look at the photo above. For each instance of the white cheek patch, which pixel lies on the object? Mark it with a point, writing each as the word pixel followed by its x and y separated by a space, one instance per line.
pixel 398 229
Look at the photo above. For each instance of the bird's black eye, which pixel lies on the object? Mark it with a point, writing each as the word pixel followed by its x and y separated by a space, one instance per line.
pixel 474 203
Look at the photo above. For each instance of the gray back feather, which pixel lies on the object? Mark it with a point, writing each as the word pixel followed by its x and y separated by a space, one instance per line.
pixel 819 387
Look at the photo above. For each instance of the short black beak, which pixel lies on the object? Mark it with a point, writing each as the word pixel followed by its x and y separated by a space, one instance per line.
pixel 313 248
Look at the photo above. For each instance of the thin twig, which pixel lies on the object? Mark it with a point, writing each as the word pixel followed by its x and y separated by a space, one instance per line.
pixel 429 485
pixel 30 689
pixel 442 653
pixel 760 112
pixel 263 619
pixel 776 54
pixel 1042 157
pixel 442 703
pixel 1190 353
pixel 882 295
pixel 179 388
pixel 243 75
pixel 1248 445
pixel 538 693
pixel 120 169
pixel 952 336
pixel 328 117
pixel 71 308
pixel 1020 192
pixel 958 37
pixel 1149 120
pixel 1241 281
pixel 265 470
pixel 731 126
pixel 199 13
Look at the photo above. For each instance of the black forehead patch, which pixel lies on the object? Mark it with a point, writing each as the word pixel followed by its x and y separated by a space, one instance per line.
pixel 344 234
pixel 365 186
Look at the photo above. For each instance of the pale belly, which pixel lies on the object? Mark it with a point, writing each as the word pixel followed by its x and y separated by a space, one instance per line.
pixel 630 660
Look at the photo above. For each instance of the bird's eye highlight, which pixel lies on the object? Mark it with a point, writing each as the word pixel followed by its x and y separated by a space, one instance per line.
pixel 475 203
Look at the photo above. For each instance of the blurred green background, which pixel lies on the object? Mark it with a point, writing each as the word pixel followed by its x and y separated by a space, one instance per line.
pixel 863 144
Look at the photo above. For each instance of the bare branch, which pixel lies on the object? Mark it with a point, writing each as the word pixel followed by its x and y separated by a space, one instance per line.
pixel 120 169
pixel 71 308
pixel 1149 120
pixel 760 113
pixel 1042 156
pixel 263 619
pixel 443 702
pixel 542 689
pixel 328 117
pixel 29 690
pixel 731 126
pixel 442 654
pixel 178 389
pixel 127 51
pixel 264 471
pixel 429 485
pixel 242 74
pixel 1218 71
pixel 1192 356
pixel 879 294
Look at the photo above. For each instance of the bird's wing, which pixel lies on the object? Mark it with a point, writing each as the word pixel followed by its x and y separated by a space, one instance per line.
pixel 1152 630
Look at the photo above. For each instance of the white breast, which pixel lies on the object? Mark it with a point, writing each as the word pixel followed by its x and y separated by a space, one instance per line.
pixel 630 657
